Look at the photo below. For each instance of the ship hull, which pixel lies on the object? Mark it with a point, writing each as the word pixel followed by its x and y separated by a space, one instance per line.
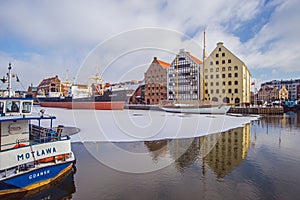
pixel 108 101
pixel 85 105
pixel 200 110
pixel 34 179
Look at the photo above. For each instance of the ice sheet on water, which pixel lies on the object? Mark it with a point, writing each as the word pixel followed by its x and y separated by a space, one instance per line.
pixel 142 125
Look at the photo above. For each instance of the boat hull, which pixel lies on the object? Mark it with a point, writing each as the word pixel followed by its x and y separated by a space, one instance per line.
pixel 34 179
pixel 108 101
pixel 85 105
pixel 204 110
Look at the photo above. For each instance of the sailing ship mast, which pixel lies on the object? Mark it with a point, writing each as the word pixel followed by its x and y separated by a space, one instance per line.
pixel 202 93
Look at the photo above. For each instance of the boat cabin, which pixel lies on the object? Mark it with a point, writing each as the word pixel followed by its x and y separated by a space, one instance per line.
pixel 15 106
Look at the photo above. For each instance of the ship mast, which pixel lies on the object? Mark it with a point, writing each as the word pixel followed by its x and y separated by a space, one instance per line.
pixel 176 63
pixel 202 71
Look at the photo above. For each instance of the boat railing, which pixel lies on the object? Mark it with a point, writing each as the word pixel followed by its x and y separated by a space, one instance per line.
pixel 30 142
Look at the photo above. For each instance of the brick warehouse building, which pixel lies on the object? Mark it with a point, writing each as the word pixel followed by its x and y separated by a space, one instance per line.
pixel 156 82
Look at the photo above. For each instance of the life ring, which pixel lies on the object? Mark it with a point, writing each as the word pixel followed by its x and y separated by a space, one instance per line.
pixel 19 145
pixel 51 159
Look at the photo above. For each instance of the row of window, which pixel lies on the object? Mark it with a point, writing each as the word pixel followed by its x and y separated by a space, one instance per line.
pixel 223 62
pixel 229 68
pixel 223 55
pixel 236 75
pixel 236 91
pixel 223 83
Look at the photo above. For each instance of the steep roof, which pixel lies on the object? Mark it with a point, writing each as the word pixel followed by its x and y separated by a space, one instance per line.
pixel 195 59
pixel 163 63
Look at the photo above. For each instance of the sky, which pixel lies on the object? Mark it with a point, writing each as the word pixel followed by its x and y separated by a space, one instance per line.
pixel 118 38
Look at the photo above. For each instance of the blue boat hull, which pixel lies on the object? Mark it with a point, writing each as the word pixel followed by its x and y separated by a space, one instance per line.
pixel 34 179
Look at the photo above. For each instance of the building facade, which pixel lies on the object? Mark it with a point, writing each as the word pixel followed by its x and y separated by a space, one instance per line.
pixel 268 94
pixel 183 80
pixel 227 78
pixel 291 86
pixel 283 93
pixel 156 82
pixel 49 85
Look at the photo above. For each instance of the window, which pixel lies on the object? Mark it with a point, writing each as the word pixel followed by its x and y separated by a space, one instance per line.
pixel 236 75
pixel 229 60
pixel 206 77
pixel 229 82
pixel 223 69
pixel 217 69
pixel 211 70
pixel 229 75
pixel 223 83
pixel 223 54
pixel 217 91
pixel 211 84
pixel 236 68
pixel 217 55
pixel 223 91
pixel 229 68
pixel 223 75
pixel 223 61
pixel 26 107
pixel 236 82
pixel 211 76
pixel 217 83
pixel 1 107
pixel 206 70
pixel 12 106
pixel 229 91
pixel 217 62
pixel 220 49
pixel 211 62
pixel 211 91
pixel 217 75
pixel 236 90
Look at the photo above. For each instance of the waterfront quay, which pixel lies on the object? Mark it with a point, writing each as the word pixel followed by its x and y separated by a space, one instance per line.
pixel 257 110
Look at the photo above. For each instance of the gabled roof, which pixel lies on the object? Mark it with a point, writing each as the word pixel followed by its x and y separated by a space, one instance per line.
pixel 163 63
pixel 195 59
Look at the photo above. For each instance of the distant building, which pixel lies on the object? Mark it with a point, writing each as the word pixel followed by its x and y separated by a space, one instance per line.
pixel 291 86
pixel 227 78
pixel 138 97
pixel 156 82
pixel 49 85
pixel 283 93
pixel 32 90
pixel 183 81
pixel 268 94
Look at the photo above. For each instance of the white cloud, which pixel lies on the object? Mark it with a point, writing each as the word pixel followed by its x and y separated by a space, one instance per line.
pixel 59 34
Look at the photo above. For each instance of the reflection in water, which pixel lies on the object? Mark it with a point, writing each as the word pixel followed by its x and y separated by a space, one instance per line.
pixel 222 152
pixel 229 151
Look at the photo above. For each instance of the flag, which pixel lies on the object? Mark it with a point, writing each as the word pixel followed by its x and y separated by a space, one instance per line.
pixel 18 80
pixel 253 83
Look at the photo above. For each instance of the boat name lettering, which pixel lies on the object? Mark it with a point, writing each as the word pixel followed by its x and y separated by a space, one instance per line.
pixel 38 174
pixel 36 153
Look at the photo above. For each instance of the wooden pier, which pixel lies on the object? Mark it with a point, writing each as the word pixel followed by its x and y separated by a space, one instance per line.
pixel 258 110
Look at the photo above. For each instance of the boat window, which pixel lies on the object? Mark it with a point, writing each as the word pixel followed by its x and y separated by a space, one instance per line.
pixel 13 106
pixel 1 107
pixel 26 107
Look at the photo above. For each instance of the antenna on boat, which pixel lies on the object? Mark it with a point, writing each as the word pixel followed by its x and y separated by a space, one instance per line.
pixel 9 80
